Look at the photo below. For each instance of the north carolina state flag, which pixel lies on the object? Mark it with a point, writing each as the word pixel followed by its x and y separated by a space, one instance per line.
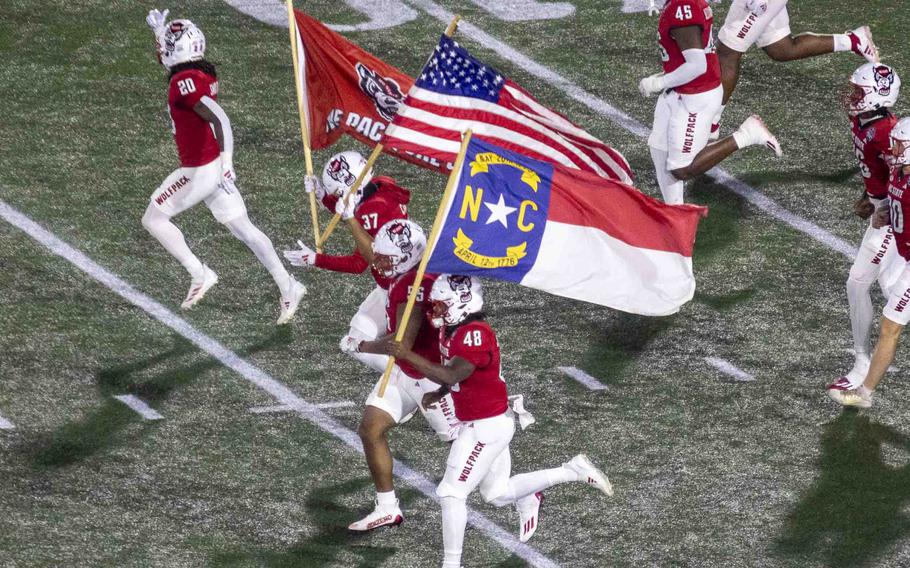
pixel 346 90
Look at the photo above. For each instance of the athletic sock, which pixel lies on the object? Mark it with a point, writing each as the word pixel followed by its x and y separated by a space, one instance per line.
pixel 386 499
pixel 454 521
pixel 842 42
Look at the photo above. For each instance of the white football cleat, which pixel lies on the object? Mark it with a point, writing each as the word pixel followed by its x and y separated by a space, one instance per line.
pixel 589 473
pixel 836 389
pixel 858 397
pixel 753 132
pixel 291 301
pixel 198 289
pixel 861 43
pixel 528 513
pixel 387 517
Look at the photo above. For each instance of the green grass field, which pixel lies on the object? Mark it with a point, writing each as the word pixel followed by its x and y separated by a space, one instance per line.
pixel 708 471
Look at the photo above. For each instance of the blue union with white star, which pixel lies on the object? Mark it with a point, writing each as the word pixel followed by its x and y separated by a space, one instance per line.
pixel 453 71
pixel 496 217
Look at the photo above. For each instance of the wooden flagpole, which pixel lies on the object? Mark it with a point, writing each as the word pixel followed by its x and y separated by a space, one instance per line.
pixel 330 228
pixel 304 127
pixel 431 245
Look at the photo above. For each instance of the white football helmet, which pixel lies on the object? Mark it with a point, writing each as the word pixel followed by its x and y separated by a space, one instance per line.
pixel 181 41
pixel 454 298
pixel 340 173
pixel 398 247
pixel 874 86
pixel 900 142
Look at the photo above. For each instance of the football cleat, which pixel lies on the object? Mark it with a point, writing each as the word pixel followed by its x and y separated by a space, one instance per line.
pixel 589 473
pixel 836 389
pixel 858 397
pixel 291 301
pixel 528 514
pixel 861 43
pixel 198 289
pixel 754 131
pixel 388 517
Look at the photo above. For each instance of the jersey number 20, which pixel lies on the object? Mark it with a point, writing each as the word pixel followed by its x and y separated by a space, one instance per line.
pixel 186 86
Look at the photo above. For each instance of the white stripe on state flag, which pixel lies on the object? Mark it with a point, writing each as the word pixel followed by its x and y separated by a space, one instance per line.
pixel 637 280
pixel 470 104
pixel 484 129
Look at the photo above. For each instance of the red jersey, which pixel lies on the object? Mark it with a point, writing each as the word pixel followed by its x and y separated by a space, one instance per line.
pixel 383 201
pixel 196 143
pixel 483 394
pixel 899 192
pixel 682 13
pixel 872 145
pixel 426 344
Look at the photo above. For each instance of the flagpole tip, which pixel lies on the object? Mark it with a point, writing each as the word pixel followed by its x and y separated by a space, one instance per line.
pixel 453 27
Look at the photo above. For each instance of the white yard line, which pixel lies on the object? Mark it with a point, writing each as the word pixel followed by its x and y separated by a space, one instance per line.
pixel 139 405
pixel 583 378
pixel 730 369
pixel 6 424
pixel 284 408
pixel 599 105
pixel 255 375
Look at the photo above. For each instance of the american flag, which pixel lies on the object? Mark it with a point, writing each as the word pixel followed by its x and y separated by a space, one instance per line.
pixel 456 91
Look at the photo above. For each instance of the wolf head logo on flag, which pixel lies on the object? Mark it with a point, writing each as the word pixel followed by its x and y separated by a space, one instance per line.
pixel 384 91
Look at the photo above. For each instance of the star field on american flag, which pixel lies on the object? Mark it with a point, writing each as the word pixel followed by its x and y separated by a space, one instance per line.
pixel 452 71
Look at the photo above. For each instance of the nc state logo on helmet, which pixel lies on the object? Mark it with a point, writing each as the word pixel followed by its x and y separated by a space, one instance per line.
pixel 182 41
pixel 454 298
pixel 341 171
pixel 398 247
pixel 874 86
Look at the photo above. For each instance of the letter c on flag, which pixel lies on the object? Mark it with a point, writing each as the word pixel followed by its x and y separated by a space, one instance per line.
pixel 527 228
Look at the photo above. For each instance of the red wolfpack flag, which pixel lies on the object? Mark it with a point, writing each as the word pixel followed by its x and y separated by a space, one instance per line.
pixel 456 91
pixel 346 90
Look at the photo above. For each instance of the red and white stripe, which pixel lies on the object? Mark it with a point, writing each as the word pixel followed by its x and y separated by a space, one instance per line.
pixel 431 124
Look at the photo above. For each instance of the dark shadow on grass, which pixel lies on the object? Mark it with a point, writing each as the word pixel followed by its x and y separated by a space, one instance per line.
pixel 776 176
pixel 724 302
pixel 330 540
pixel 720 229
pixel 620 343
pixel 103 428
pixel 855 510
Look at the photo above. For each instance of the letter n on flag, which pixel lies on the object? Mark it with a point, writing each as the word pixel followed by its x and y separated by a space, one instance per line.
pixel 566 232
pixel 346 89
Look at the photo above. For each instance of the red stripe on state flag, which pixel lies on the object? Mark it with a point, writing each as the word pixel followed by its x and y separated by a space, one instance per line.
pixel 623 212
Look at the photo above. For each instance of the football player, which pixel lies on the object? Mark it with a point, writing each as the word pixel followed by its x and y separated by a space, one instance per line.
pixel 874 89
pixel 397 249
pixel 470 373
pixel 896 211
pixel 377 201
pixel 690 95
pixel 205 144
pixel 766 23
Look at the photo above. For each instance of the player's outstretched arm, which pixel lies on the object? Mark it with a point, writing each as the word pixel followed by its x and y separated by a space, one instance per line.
pixel 454 372
pixel 362 239
pixel 211 112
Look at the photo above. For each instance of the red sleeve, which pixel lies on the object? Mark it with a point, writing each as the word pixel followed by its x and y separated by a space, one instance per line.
pixel 329 201
pixel 352 263
pixel 189 88
pixel 686 13
pixel 473 343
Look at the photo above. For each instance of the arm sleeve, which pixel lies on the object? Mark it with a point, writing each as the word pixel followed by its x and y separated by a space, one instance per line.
pixel 215 108
pixel 352 263
pixel 696 64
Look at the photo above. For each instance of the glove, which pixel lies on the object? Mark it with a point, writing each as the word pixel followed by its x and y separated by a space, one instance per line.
pixel 156 21
pixel 346 212
pixel 653 10
pixel 313 185
pixel 228 177
pixel 651 85
pixel 350 344
pixel 882 216
pixel 757 7
pixel 303 257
